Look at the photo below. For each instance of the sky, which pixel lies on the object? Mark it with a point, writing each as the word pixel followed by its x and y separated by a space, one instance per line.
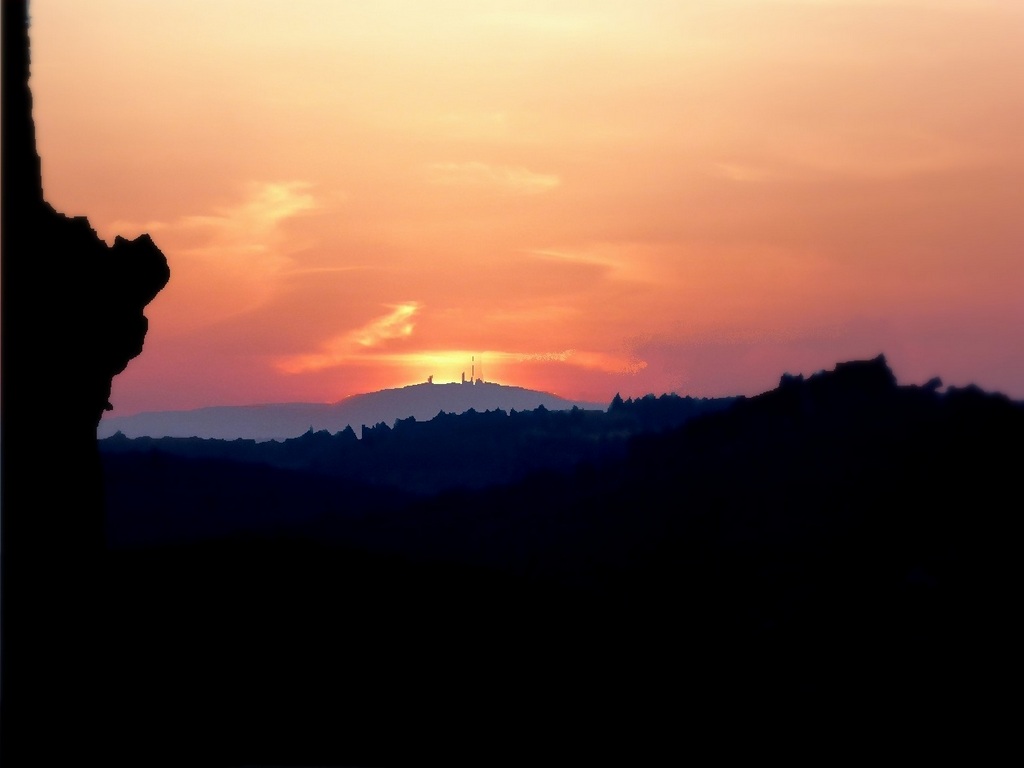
pixel 583 197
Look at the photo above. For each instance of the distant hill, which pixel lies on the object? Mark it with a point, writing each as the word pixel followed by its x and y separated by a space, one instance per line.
pixel 282 421
pixel 474 449
pixel 833 554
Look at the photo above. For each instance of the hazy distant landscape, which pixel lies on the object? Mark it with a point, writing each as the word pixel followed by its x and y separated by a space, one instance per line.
pixel 286 420
pixel 400 457
pixel 838 543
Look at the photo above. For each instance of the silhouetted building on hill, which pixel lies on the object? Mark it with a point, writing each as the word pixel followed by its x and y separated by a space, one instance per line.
pixel 473 379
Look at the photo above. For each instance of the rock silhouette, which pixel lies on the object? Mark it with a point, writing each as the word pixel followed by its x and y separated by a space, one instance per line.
pixel 72 320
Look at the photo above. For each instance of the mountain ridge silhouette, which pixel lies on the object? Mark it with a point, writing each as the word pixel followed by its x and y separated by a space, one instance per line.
pixel 281 421
pixel 831 555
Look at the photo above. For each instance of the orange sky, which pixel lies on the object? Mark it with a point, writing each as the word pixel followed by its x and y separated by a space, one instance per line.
pixel 591 196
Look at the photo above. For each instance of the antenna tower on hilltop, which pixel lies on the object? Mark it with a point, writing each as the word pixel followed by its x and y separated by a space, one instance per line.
pixel 472 372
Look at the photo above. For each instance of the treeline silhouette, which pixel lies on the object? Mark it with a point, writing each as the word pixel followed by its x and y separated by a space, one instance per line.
pixel 836 554
pixel 468 450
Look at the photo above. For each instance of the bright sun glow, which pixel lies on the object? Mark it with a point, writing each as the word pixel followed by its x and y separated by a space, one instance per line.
pixel 593 197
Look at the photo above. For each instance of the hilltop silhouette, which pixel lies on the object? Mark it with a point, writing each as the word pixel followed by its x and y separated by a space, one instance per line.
pixel 72 320
pixel 449 451
pixel 280 421
pixel 837 546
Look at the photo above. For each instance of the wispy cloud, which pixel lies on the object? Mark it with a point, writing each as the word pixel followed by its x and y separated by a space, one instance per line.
pixel 621 261
pixel 509 178
pixel 741 173
pixel 396 325
pixel 352 345
pixel 251 226
pixel 230 260
pixel 302 271
pixel 466 124
pixel 596 361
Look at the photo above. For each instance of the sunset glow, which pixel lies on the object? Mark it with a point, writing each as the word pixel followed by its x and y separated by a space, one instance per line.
pixel 584 197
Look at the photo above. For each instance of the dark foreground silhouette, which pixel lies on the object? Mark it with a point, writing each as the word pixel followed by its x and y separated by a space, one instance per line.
pixel 72 320
pixel 834 558
pixel 468 450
